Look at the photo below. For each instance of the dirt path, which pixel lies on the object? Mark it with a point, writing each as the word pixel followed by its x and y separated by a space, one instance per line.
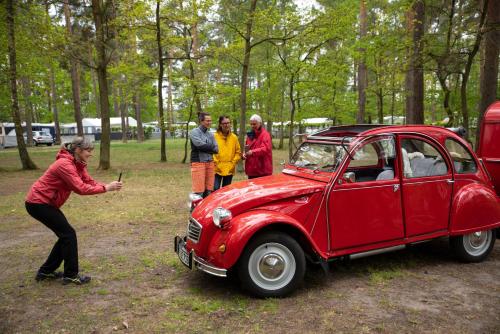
pixel 125 242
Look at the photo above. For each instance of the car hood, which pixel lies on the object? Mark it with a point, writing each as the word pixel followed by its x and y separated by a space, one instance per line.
pixel 245 195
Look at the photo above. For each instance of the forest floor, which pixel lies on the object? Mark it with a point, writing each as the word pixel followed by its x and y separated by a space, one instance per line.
pixel 139 286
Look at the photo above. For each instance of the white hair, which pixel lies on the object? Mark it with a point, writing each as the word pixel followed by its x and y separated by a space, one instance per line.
pixel 256 118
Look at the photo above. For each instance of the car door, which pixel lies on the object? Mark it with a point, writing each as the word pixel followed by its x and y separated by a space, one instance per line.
pixel 427 186
pixel 364 206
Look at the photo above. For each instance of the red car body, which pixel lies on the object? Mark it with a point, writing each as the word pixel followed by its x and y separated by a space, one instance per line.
pixel 374 199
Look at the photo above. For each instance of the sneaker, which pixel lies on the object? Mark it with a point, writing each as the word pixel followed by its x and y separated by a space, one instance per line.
pixel 78 280
pixel 41 276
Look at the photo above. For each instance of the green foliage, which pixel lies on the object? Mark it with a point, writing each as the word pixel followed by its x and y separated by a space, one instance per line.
pixel 315 49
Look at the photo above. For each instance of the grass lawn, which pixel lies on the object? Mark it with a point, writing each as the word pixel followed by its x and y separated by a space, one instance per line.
pixel 138 284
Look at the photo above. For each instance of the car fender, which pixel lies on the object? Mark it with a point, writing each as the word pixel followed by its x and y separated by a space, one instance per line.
pixel 475 207
pixel 243 228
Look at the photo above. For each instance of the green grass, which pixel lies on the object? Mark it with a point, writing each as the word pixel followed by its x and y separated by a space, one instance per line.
pixel 125 242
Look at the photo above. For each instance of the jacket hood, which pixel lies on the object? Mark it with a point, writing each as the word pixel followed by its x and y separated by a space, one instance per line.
pixel 245 195
pixel 65 154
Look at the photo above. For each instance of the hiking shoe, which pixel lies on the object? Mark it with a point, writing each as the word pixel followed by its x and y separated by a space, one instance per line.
pixel 78 280
pixel 41 276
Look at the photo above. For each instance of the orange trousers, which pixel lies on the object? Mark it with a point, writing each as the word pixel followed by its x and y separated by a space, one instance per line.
pixel 202 176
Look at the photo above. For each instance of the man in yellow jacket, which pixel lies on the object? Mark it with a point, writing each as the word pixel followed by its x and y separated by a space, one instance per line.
pixel 229 153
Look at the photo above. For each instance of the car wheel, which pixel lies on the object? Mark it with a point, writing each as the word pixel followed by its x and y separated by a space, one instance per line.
pixel 473 247
pixel 49 144
pixel 272 265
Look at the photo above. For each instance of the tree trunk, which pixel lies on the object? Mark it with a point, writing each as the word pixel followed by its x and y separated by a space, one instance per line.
pixel 446 100
pixel 292 115
pixel 269 99
pixel 26 161
pixel 170 104
pixel 93 77
pixel 137 107
pixel 362 71
pixel 114 95
pixel 244 72
pixel 53 92
pixel 415 74
pixel 75 75
pixel 163 149
pixel 489 69
pixel 282 128
pixel 380 106
pixel 123 116
pixel 393 94
pixel 468 66
pixel 55 111
pixel 187 131
pixel 28 110
pixel 102 76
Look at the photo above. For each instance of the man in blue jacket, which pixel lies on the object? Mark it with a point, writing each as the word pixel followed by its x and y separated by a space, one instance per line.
pixel 203 146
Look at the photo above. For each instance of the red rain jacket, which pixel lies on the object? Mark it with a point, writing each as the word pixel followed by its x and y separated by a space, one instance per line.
pixel 65 175
pixel 260 163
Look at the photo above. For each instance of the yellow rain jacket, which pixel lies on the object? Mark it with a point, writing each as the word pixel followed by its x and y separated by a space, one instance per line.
pixel 229 153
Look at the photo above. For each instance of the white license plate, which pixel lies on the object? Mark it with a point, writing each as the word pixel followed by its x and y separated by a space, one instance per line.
pixel 183 254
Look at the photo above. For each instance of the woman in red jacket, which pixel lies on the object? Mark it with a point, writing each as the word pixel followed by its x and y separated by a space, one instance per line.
pixel 258 154
pixel 68 173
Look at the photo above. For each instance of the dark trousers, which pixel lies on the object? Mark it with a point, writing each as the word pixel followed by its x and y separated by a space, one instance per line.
pixel 222 181
pixel 66 247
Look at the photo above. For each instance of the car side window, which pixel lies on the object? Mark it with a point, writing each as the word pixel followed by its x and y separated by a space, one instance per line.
pixel 373 161
pixel 462 159
pixel 421 159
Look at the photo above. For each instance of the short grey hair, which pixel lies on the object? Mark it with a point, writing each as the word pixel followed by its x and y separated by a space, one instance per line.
pixel 256 118
pixel 81 142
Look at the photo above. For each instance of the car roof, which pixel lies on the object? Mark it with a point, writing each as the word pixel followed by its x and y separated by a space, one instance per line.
pixel 363 130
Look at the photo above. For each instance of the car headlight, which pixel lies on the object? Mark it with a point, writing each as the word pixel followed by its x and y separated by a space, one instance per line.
pixel 222 217
pixel 193 200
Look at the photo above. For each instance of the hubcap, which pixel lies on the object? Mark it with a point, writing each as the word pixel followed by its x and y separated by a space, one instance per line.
pixel 477 243
pixel 271 266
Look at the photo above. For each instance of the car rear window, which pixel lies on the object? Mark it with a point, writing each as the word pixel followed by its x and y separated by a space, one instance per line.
pixel 462 159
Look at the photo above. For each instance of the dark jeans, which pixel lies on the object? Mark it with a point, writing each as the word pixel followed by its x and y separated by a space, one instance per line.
pixel 224 180
pixel 66 247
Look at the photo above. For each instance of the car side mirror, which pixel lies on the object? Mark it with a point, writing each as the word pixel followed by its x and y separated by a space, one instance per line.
pixel 349 177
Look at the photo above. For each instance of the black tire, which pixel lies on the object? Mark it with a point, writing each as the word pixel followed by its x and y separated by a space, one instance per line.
pixel 272 265
pixel 473 247
pixel 49 144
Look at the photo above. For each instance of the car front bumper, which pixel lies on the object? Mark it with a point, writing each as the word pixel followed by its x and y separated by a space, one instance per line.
pixel 190 259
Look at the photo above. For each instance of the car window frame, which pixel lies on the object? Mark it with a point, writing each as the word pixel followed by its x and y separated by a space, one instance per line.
pixel 468 150
pixel 441 149
pixel 366 140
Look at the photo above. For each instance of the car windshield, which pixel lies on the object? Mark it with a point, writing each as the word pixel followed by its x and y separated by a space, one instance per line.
pixel 318 156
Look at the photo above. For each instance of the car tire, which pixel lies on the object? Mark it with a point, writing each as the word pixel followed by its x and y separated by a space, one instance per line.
pixel 473 247
pixel 49 144
pixel 272 265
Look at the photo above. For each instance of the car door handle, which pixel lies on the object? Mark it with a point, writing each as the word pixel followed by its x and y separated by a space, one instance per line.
pixel 450 181
pixel 395 187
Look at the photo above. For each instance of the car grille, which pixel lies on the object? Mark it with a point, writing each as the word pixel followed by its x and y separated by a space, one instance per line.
pixel 194 230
